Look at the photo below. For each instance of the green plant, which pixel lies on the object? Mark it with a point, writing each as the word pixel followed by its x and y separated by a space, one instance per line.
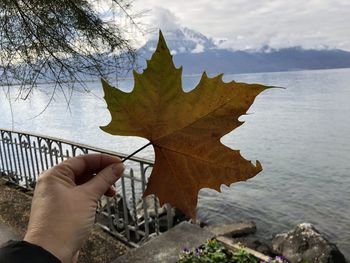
pixel 277 259
pixel 214 252
pixel 241 256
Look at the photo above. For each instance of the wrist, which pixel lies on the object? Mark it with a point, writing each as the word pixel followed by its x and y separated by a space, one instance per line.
pixel 17 251
pixel 50 245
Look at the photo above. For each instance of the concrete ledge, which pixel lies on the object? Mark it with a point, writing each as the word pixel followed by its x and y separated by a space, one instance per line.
pixel 7 233
pixel 167 247
pixel 233 230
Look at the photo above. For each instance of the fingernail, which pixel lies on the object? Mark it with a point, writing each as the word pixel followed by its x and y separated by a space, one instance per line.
pixel 118 169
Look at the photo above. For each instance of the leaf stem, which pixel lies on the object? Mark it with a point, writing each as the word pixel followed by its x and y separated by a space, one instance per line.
pixel 135 152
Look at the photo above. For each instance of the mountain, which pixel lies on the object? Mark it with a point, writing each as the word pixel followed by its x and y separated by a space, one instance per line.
pixel 198 53
pixel 287 59
pixel 182 40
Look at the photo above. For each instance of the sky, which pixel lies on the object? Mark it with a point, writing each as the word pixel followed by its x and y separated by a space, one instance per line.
pixel 252 24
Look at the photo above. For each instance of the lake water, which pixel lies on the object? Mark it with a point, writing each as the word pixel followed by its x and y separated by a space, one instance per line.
pixel 300 134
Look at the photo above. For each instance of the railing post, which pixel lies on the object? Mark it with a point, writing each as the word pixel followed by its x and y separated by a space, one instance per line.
pixel 125 210
pixel 133 197
pixel 144 205
pixel 6 166
pixel 17 172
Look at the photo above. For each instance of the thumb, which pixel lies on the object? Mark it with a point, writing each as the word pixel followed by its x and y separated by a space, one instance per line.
pixel 100 183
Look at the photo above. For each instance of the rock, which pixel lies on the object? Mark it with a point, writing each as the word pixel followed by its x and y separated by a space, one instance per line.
pixel 167 247
pixel 151 206
pixel 255 243
pixel 115 208
pixel 243 233
pixel 233 230
pixel 305 244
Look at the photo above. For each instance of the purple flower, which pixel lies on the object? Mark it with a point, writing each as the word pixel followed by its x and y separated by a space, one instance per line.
pixel 185 250
pixel 281 259
pixel 277 259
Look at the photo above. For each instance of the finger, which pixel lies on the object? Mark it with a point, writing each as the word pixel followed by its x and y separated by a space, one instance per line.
pixel 111 191
pixel 81 168
pixel 100 183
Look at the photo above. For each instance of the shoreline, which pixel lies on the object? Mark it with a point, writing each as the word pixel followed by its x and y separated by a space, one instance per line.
pixel 102 247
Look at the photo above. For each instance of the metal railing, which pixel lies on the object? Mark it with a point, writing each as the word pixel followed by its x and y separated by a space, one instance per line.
pixel 127 216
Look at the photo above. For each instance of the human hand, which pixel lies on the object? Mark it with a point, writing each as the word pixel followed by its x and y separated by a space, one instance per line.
pixel 65 201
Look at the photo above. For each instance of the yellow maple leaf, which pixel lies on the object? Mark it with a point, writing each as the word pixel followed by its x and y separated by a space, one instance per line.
pixel 184 128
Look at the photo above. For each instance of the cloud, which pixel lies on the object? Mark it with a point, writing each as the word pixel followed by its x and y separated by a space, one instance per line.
pixel 164 19
pixel 254 24
pixel 198 49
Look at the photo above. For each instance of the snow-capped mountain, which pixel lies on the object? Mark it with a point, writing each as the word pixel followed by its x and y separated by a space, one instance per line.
pixel 182 40
pixel 197 53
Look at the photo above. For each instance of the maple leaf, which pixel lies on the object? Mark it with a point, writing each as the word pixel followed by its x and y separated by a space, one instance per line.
pixel 184 128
